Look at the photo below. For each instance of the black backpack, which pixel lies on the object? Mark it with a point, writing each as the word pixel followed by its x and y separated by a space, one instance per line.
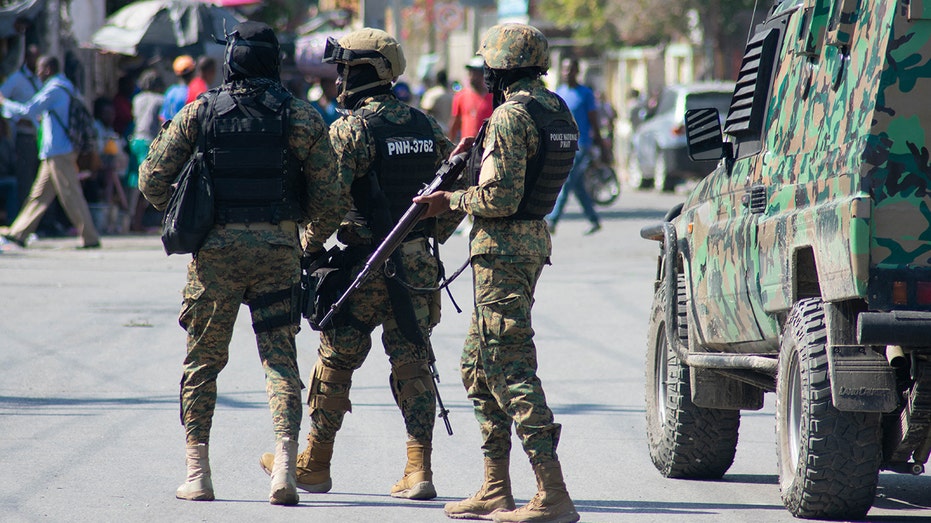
pixel 81 132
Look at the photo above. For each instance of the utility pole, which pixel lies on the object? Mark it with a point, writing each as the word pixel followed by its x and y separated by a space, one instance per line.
pixel 431 27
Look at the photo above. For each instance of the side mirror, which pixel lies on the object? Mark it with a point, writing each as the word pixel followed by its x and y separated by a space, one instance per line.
pixel 703 134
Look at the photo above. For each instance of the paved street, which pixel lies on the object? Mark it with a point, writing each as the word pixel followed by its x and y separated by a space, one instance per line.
pixel 91 351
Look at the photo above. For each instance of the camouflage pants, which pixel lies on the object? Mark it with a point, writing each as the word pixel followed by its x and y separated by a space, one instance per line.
pixel 219 280
pixel 499 360
pixel 345 348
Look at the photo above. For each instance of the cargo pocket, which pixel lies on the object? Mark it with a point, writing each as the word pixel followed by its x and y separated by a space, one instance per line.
pixel 192 291
pixel 499 320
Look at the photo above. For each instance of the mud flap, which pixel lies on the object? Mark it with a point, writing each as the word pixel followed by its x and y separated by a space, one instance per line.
pixel 715 391
pixel 861 379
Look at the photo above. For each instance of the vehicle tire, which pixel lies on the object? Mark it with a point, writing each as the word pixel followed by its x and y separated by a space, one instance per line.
pixel 686 441
pixel 662 181
pixel 602 183
pixel 635 176
pixel 828 460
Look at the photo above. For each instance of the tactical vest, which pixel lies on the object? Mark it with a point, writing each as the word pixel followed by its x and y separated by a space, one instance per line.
pixel 548 169
pixel 255 176
pixel 406 160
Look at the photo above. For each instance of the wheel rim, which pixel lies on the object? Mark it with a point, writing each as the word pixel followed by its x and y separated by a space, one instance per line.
pixel 794 412
pixel 602 185
pixel 660 371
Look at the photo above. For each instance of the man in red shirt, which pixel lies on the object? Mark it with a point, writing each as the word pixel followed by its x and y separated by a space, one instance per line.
pixel 206 73
pixel 472 104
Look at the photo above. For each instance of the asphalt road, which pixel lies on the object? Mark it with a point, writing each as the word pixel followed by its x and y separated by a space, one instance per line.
pixel 90 360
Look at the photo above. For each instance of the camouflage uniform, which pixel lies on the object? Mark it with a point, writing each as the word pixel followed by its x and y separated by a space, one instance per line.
pixel 344 348
pixel 239 262
pixel 499 358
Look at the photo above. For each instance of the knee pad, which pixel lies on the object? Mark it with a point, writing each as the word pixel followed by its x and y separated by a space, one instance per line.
pixel 332 379
pixel 417 379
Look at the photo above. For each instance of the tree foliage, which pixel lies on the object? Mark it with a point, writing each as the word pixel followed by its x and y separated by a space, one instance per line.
pixel 723 24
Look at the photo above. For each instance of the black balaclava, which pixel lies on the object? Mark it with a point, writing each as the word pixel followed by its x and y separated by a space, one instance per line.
pixel 497 80
pixel 252 51
pixel 356 75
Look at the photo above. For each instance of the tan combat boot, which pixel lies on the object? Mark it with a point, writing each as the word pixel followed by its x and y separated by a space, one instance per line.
pixel 495 494
pixel 284 482
pixel 551 504
pixel 198 486
pixel 313 466
pixel 417 482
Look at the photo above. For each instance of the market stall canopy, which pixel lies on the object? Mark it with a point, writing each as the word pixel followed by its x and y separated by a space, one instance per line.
pixel 237 3
pixel 308 54
pixel 11 11
pixel 309 46
pixel 165 28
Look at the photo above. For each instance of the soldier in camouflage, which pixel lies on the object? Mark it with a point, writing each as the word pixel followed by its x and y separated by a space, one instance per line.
pixel 528 148
pixel 272 171
pixel 386 151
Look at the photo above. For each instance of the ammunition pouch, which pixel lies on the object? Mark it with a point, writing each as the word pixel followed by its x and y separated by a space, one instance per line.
pixel 417 379
pixel 329 389
pixel 322 284
pixel 435 308
pixel 292 295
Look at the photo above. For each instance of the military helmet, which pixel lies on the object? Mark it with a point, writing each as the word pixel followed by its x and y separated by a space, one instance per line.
pixel 368 46
pixel 511 46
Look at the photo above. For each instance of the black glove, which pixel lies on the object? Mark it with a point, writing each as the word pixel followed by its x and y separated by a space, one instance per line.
pixel 312 259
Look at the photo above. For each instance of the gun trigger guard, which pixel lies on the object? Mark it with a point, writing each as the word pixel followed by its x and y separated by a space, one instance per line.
pixel 390 270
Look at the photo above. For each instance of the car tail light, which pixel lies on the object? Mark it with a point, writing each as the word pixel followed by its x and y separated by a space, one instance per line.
pixel 678 130
pixel 923 294
pixel 899 293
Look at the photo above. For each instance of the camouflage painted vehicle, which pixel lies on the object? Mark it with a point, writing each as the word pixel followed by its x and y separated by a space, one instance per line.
pixel 802 264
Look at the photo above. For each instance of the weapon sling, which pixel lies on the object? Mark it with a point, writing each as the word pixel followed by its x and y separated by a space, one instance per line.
pixel 400 298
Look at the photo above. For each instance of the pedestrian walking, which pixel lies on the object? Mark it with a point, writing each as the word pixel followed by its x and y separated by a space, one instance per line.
pixel 472 104
pixel 146 106
pixel 437 100
pixel 176 95
pixel 206 74
pixel 21 86
pixel 272 169
pixel 584 106
pixel 10 207
pixel 526 152
pixel 386 150
pixel 58 168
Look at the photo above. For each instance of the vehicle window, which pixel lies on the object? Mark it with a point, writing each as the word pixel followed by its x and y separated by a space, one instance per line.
pixel 667 102
pixel 720 101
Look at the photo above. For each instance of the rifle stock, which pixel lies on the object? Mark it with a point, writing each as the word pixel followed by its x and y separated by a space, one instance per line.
pixel 444 178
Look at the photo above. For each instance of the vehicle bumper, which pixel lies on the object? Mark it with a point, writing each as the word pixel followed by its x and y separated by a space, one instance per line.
pixel 903 328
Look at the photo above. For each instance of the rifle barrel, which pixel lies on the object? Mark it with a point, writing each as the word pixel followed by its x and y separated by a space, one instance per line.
pixel 405 225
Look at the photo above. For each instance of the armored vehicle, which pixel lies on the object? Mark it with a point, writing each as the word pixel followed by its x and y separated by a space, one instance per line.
pixel 802 264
